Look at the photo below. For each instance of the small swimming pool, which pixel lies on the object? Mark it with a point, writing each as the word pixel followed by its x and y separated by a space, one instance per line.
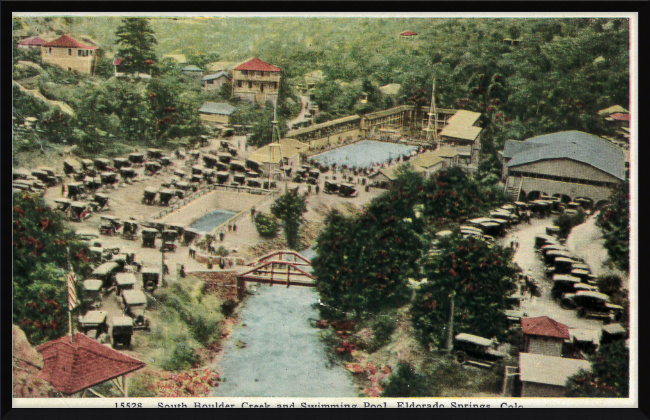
pixel 363 154
pixel 211 220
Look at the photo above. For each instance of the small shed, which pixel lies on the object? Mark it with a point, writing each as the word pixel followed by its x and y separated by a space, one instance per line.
pixel 193 70
pixel 215 81
pixel 216 112
pixel 544 335
pixel 546 376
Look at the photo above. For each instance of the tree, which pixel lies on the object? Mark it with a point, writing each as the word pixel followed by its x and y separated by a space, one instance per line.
pixel 136 40
pixel 614 221
pixel 609 376
pixel 40 268
pixel 478 275
pixel 290 208
pixel 405 382
pixel 267 225
pixel 514 32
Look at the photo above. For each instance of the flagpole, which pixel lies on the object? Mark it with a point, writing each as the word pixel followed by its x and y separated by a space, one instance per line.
pixel 69 306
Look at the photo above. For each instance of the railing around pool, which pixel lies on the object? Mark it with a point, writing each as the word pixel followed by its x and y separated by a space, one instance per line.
pixel 207 189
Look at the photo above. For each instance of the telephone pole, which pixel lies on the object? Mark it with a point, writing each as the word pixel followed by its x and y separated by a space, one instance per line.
pixel 450 325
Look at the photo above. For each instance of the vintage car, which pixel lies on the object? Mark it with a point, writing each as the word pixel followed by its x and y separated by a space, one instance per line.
pixel 593 305
pixel 122 331
pixel 237 166
pixel 108 178
pixel 93 291
pixel 127 173
pixel 102 164
pixel 62 204
pixel 150 278
pixel 130 229
pixel 134 304
pixel 101 200
pixel 119 163
pixel 348 190
pixel 93 324
pixel 166 161
pixel 269 185
pixel 75 189
pixel 239 179
pixel 106 273
pixel 149 237
pixel 136 158
pixel 124 281
pixel 563 284
pixel 222 177
pixel 154 153
pixel 253 183
pixel 209 175
pixel 541 240
pixel 79 210
pixel 168 238
pixel 109 225
pixel 331 187
pixel 165 196
pixel 149 195
pixel 72 167
pixel 179 173
pixel 152 167
pixel 210 161
pixel 253 165
pixel 475 350
pixel 611 333
pixel 189 235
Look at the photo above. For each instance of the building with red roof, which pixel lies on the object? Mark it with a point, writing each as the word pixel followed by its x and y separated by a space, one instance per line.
pixel 31 42
pixel 544 335
pixel 256 81
pixel 71 367
pixel 620 117
pixel 68 53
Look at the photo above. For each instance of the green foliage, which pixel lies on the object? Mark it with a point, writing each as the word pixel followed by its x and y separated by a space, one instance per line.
pixel 566 222
pixel 183 357
pixel 614 221
pixel 289 208
pixel 610 284
pixel 40 268
pixel 382 330
pixel 479 275
pixel 405 382
pixel 609 377
pixel 136 41
pixel 267 225
pixel 222 251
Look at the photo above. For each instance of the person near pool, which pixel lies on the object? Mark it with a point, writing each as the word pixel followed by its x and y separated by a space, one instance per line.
pixel 221 235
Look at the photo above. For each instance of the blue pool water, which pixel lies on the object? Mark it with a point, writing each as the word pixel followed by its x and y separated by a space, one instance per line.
pixel 211 220
pixel 363 154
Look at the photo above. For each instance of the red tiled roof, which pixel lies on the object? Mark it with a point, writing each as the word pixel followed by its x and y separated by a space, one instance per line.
pixel 33 40
pixel 544 326
pixel 70 368
pixel 66 41
pixel 620 116
pixel 118 62
pixel 408 33
pixel 256 64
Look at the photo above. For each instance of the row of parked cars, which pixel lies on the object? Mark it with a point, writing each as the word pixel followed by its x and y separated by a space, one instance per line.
pixel 574 286
pixel 115 270
pixel 35 181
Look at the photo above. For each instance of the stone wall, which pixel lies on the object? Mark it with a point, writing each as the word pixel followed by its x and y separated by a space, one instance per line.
pixel 222 283
pixel 532 389
pixel 545 345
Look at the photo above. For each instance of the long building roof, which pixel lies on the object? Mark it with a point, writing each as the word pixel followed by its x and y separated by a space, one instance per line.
pixel 549 370
pixel 219 108
pixel 326 124
pixel 66 41
pixel 256 64
pixel 575 145
pixel 461 125
pixel 387 112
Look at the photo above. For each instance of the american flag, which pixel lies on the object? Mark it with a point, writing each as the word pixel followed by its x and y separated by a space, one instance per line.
pixel 72 293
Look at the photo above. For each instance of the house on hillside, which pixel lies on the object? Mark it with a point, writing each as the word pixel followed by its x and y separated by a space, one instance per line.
pixel 31 42
pixel 215 81
pixel 546 376
pixel 426 163
pixel 216 113
pixel 570 163
pixel 462 133
pixel 256 81
pixel 543 335
pixel 193 71
pixel 70 54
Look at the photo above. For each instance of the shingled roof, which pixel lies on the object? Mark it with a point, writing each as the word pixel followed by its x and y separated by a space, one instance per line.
pixel 544 326
pixel 575 145
pixel 72 367
pixel 66 41
pixel 33 41
pixel 549 370
pixel 256 64
pixel 219 108
pixel 216 76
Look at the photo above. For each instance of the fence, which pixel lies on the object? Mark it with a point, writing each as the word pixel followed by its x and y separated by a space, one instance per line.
pixel 207 189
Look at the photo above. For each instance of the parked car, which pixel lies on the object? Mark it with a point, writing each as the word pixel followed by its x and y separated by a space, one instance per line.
pixel 121 331
pixel 476 350
pixel 134 303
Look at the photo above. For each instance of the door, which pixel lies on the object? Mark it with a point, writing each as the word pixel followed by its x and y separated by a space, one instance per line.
pixel 261 87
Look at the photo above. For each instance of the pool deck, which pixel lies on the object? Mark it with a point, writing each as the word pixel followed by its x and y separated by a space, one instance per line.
pixel 216 200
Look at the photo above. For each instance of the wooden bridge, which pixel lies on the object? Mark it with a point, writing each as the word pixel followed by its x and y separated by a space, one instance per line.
pixel 280 267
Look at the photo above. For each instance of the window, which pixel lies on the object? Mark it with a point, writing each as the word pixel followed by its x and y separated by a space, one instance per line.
pixel 79 53
pixel 261 87
pixel 240 83
pixel 244 72
pixel 262 73
pixel 50 52
pixel 69 51
pixel 250 85
pixel 90 52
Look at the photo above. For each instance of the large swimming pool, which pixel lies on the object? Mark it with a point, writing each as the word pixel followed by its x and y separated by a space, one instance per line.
pixel 211 220
pixel 363 154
